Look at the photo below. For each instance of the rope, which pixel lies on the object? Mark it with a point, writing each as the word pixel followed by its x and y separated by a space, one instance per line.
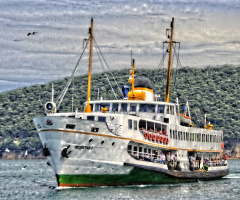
pixel 107 66
pixel 61 96
pixel 106 74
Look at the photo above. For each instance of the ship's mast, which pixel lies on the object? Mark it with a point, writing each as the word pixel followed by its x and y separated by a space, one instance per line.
pixel 88 107
pixel 169 63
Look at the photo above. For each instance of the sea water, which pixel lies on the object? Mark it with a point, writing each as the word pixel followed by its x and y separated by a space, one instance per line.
pixel 34 179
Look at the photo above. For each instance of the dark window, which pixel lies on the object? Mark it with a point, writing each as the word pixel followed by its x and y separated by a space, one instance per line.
pixel 170 133
pixel 129 124
pixel 124 107
pixel 70 126
pixel 140 149
pixel 135 125
pixel 90 118
pixel 129 148
pixel 101 119
pixel 147 108
pixel 160 109
pixel 133 107
pixel 166 120
pixel 115 107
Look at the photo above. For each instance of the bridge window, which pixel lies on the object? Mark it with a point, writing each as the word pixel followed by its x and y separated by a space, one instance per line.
pixel 115 107
pixel 98 107
pixel 160 109
pixel 124 107
pixel 147 108
pixel 133 107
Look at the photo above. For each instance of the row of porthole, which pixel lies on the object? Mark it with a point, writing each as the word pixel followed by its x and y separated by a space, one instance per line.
pixel 113 144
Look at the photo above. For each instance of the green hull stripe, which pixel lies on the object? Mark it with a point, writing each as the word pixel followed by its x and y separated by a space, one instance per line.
pixel 136 176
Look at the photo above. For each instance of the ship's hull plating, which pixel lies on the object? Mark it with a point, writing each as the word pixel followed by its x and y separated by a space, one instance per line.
pixel 99 158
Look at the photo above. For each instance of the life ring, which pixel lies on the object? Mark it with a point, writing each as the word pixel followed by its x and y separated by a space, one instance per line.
pixel 146 134
pixel 157 138
pixel 150 136
pixel 153 137
pixel 167 141
pixel 222 145
pixel 161 139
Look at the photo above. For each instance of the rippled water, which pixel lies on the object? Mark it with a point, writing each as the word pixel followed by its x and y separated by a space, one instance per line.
pixel 37 181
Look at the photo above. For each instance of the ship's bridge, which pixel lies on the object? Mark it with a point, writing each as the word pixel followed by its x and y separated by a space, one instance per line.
pixel 161 111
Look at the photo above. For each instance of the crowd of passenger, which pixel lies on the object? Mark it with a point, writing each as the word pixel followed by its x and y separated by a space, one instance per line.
pixel 152 131
pixel 172 162
pixel 163 158
pixel 194 164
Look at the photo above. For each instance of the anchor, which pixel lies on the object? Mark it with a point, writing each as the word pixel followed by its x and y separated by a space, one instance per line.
pixel 64 152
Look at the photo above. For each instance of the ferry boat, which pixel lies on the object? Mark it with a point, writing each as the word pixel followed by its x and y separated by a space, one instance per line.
pixel 131 141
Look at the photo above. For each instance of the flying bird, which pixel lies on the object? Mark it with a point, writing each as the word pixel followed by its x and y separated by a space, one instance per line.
pixel 33 33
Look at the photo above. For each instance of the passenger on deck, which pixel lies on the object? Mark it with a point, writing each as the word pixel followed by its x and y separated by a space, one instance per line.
pixel 191 162
pixel 155 156
pixel 198 160
pixel 135 156
pixel 164 158
pixel 205 166
pixel 146 157
pixel 225 159
pixel 178 167
pixel 168 157
pixel 140 156
pixel 163 132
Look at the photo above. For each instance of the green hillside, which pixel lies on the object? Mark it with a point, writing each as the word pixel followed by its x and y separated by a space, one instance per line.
pixel 211 90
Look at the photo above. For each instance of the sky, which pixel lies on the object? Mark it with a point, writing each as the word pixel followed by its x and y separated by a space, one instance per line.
pixel 209 33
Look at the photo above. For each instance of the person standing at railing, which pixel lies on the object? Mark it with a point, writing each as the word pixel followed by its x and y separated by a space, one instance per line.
pixel 198 160
pixel 225 159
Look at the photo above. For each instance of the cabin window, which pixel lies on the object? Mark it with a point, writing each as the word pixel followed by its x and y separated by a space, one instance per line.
pixel 184 136
pixel 211 138
pixel 160 109
pixel 90 118
pixel 149 151
pixel 135 125
pixel 207 137
pixel 203 137
pixel 129 148
pixel 98 107
pixel 129 124
pixel 147 108
pixel 179 137
pixel 187 136
pixel 176 134
pixel 198 137
pixel 214 138
pixel 142 125
pixel 145 150
pixel 170 133
pixel 101 119
pixel 124 107
pixel 115 107
pixel 135 149
pixel 140 149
